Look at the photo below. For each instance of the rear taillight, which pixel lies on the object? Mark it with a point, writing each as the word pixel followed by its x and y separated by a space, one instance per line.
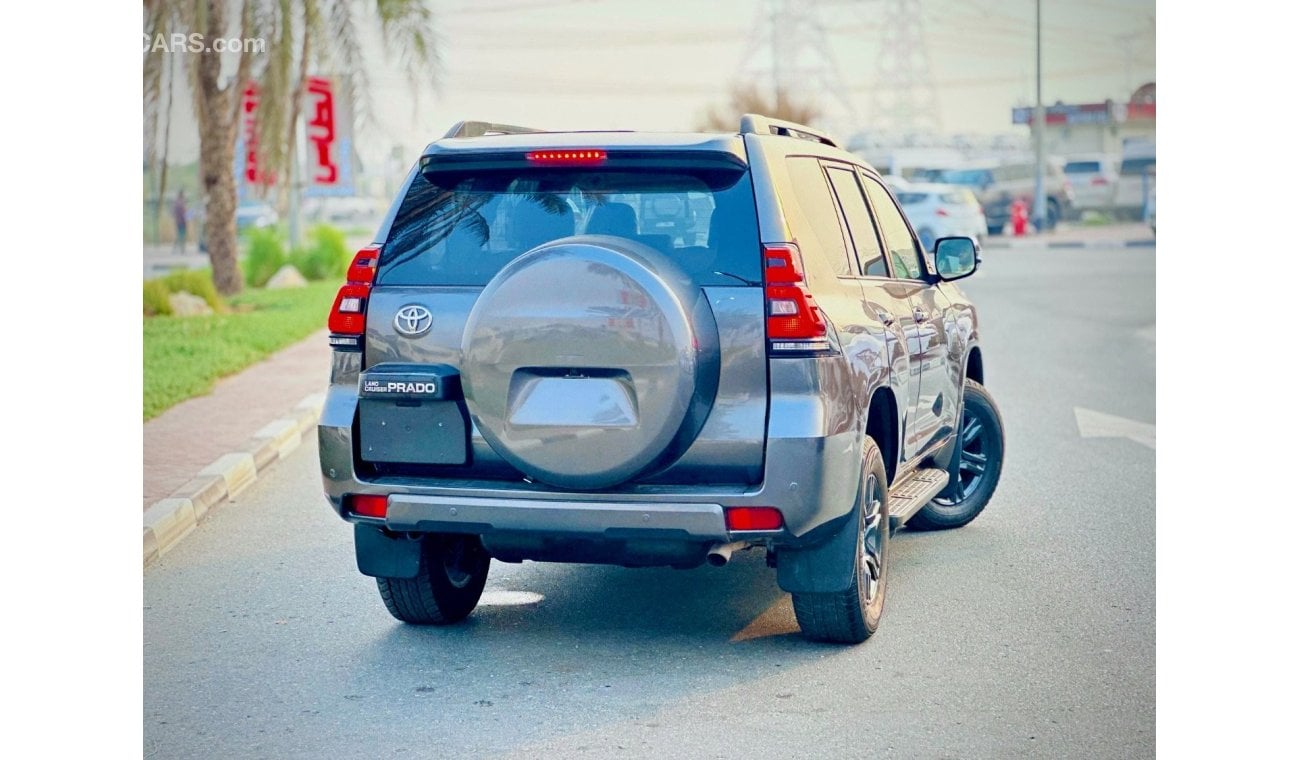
pixel 794 322
pixel 1099 181
pixel 941 211
pixel 347 320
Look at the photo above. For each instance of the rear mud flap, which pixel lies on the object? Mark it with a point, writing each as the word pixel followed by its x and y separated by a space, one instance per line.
pixel 825 567
pixel 381 555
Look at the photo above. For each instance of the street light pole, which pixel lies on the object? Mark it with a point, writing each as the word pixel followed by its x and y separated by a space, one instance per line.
pixel 1040 194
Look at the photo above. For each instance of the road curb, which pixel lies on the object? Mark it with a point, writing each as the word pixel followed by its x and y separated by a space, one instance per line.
pixel 168 521
pixel 1070 244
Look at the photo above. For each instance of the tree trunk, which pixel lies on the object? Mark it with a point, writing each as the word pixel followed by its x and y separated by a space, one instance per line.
pixel 216 167
pixel 217 109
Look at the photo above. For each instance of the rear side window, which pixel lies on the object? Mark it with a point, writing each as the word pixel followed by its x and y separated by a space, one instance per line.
pixel 1135 167
pixel 1082 167
pixel 465 232
pixel 871 259
pixel 818 206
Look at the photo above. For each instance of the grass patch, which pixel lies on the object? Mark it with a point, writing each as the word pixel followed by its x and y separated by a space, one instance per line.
pixel 185 356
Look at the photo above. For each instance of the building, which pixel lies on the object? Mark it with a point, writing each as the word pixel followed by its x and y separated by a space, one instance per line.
pixel 1095 127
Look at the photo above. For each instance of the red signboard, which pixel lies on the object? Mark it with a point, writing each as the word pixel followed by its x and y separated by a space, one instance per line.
pixel 323 149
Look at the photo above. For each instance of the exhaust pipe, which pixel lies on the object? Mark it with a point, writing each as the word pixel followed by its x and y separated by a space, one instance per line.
pixel 720 554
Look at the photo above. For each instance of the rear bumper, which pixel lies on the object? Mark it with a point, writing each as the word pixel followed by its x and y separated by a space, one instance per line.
pixel 611 520
pixel 811 474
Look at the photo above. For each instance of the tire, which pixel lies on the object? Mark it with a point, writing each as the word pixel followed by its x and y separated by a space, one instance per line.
pixel 852 615
pixel 978 462
pixel 447 587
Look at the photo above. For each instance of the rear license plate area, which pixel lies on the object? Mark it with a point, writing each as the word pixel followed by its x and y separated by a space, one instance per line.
pixel 412 414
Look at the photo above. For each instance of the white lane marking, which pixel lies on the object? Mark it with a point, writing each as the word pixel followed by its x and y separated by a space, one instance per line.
pixel 1101 425
pixel 508 598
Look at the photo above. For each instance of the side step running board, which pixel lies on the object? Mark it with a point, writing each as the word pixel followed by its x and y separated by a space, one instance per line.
pixel 914 491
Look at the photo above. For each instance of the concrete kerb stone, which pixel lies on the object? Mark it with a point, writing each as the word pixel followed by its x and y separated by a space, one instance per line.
pixel 150 545
pixel 236 468
pixel 169 520
pixel 204 492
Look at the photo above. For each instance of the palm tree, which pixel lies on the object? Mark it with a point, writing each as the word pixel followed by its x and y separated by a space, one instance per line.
pixel 300 35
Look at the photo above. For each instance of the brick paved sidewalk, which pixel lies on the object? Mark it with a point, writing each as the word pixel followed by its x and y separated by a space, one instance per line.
pixel 191 435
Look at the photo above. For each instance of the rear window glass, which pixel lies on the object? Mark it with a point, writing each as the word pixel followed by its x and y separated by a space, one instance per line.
pixel 1082 167
pixel 910 199
pixel 463 234
pixel 969 177
pixel 960 197
pixel 1137 166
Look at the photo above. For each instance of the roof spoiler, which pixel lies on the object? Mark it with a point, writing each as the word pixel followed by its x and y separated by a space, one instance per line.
pixel 756 124
pixel 481 128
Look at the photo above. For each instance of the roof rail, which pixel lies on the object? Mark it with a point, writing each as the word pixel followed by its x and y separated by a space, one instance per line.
pixel 756 124
pixel 481 128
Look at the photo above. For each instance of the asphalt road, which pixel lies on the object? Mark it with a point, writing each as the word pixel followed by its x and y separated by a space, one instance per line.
pixel 1029 633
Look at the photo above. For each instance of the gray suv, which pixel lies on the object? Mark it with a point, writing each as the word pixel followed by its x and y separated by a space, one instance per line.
pixel 652 350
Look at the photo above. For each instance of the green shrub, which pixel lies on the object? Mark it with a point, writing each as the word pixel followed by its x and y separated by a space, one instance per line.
pixel 265 256
pixel 155 298
pixel 326 256
pixel 199 283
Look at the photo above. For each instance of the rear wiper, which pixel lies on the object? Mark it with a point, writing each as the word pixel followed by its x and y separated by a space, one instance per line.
pixel 738 277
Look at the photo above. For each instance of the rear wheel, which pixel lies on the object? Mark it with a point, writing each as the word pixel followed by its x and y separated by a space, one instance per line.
pixel 977 465
pixel 852 615
pixel 447 587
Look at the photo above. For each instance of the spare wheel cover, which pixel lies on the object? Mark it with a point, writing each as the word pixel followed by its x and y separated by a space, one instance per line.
pixel 588 360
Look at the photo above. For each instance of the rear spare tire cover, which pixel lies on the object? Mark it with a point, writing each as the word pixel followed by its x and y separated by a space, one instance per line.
pixel 590 360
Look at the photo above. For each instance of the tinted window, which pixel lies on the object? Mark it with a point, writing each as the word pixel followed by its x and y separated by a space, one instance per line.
pixel 871 260
pixel 465 232
pixel 1082 167
pixel 818 206
pixel 910 199
pixel 967 177
pixel 898 238
pixel 1134 167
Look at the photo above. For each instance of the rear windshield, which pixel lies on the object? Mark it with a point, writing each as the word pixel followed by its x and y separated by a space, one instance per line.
pixel 910 199
pixel 1082 167
pixel 465 232
pixel 1137 166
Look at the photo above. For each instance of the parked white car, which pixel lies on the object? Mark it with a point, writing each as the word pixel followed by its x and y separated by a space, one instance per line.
pixel 1094 179
pixel 937 210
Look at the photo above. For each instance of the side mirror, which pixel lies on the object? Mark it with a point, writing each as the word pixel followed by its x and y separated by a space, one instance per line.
pixel 955 257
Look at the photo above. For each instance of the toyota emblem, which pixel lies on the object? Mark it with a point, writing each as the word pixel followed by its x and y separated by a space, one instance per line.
pixel 413 321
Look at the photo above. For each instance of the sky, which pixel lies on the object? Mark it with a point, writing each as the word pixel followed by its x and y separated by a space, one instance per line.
pixel 629 64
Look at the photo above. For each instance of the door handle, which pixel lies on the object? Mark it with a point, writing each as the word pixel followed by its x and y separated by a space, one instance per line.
pixel 886 318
